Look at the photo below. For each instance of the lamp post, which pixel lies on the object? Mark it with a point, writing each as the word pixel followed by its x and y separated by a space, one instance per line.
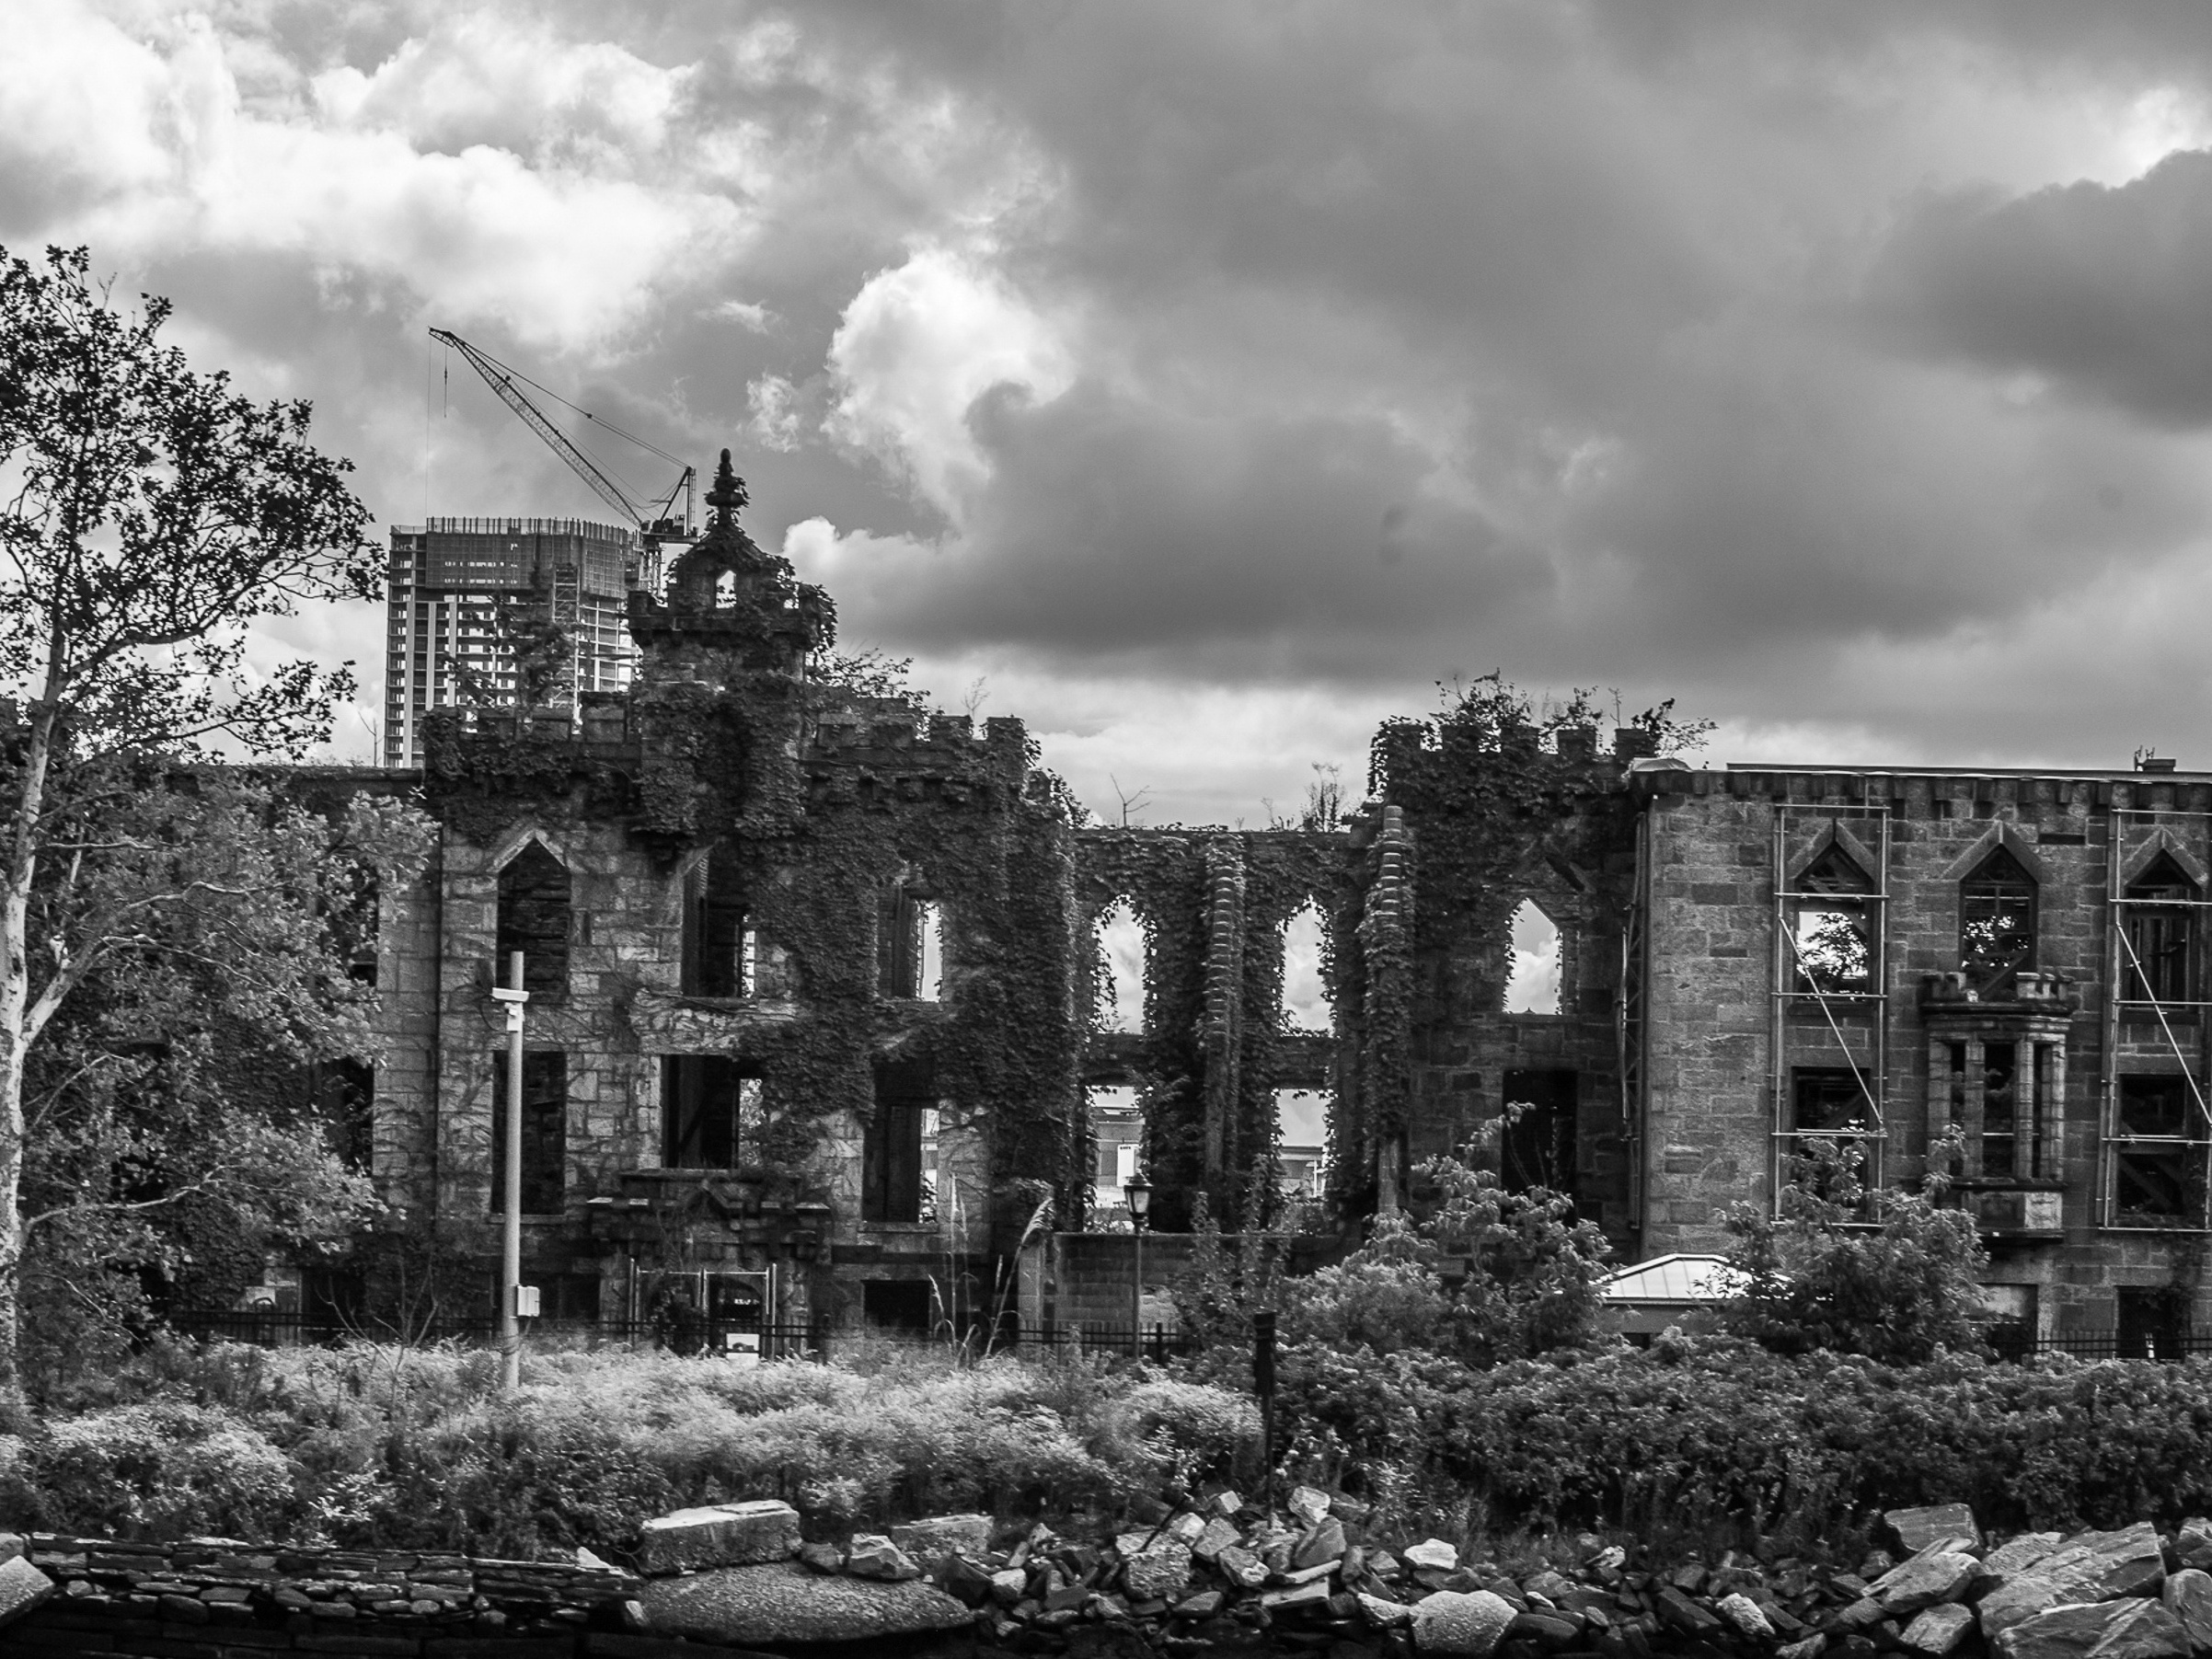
pixel 511 1184
pixel 1139 1191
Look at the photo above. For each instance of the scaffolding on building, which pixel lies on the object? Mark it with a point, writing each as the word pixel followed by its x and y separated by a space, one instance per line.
pixel 2132 853
pixel 1795 981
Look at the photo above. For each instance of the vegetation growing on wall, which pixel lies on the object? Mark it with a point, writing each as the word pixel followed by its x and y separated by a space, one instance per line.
pixel 817 838
pixel 1489 788
pixel 1177 882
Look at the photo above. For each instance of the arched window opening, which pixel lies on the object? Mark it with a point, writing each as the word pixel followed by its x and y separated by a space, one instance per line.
pixel 1831 929
pixel 1997 921
pixel 1533 986
pixel 1305 986
pixel 534 919
pixel 2160 930
pixel 1121 998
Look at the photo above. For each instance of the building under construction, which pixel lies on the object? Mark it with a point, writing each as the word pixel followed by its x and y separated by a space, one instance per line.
pixel 460 592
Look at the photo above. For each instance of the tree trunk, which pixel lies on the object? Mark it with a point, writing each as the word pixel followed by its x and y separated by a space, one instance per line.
pixel 14 1001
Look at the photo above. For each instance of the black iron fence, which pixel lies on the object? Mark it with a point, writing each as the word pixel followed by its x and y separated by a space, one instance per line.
pixel 823 1340
pixel 2016 1343
pixel 735 1339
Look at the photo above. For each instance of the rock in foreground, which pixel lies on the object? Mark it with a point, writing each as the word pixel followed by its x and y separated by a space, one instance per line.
pixel 782 1601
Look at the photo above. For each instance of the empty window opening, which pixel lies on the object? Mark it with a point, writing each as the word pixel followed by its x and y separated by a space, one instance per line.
pixel 1536 1149
pixel 2010 1314
pixel 1532 984
pixel 2001 1108
pixel 2153 1321
pixel 1305 984
pixel 1302 1140
pixel 1997 921
pixel 2157 1175
pixel 896 1303
pixel 544 1132
pixel 913 955
pixel 2160 926
pixel 1831 1153
pixel 1831 928
pixel 891 1176
pixel 721 952
pixel 534 919
pixel 345 1099
pixel 1121 994
pixel 1117 1137
pixel 713 1113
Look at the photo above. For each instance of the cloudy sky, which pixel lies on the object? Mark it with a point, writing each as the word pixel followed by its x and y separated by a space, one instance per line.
pixel 1208 381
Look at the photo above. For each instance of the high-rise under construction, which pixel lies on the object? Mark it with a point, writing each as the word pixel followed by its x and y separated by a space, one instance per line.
pixel 462 589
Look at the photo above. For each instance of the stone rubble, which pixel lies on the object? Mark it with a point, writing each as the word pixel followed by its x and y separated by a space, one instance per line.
pixel 1211 1575
pixel 1218 1576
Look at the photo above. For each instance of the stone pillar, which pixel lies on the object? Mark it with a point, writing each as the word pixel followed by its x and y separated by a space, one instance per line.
pixel 1223 1029
pixel 1386 934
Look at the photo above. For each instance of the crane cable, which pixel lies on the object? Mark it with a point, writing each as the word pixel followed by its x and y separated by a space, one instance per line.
pixel 630 437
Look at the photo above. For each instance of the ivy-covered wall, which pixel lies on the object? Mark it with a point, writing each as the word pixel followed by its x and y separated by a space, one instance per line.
pixel 1477 811
pixel 816 805
pixel 1214 905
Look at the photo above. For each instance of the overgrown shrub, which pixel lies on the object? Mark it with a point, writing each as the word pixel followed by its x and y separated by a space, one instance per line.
pixel 1898 1291
pixel 1719 1431
pixel 1480 1275
pixel 163 1470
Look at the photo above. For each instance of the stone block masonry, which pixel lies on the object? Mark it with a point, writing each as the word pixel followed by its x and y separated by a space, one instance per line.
pixel 215 1598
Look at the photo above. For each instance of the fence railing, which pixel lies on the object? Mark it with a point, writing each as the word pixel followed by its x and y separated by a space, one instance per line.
pixel 820 1340
pixel 2014 1342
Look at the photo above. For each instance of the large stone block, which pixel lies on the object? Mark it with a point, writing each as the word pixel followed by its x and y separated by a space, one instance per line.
pixel 933 1538
pixel 1939 1629
pixel 1932 1576
pixel 782 1602
pixel 1915 1529
pixel 2128 1627
pixel 22 1587
pixel 720 1535
pixel 2188 1596
pixel 1462 1624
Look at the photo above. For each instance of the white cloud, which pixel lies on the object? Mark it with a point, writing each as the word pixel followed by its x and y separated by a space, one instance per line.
pixel 542 232
pixel 747 315
pixel 918 345
pixel 774 424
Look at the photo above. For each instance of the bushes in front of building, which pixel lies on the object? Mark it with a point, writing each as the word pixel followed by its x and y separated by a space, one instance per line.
pixel 1721 1432
pixel 377 1446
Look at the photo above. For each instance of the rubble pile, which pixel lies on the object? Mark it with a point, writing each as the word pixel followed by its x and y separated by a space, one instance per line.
pixel 1218 1574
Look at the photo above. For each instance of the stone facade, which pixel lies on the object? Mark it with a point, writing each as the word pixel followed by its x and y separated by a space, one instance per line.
pixel 815 1001
pixel 2068 1077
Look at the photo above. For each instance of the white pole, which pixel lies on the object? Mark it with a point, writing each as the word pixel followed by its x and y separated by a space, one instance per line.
pixel 511 1232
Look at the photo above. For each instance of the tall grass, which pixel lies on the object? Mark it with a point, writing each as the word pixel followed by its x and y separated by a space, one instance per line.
pixel 371 1444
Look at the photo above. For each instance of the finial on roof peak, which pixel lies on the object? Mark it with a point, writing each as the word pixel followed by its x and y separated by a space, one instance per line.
pixel 728 494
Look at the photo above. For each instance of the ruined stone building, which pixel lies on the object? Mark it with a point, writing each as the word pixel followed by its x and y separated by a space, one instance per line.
pixel 821 1022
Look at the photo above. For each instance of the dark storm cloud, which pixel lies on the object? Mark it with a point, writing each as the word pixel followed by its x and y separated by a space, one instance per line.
pixel 1223 349
pixel 1291 545
pixel 2102 289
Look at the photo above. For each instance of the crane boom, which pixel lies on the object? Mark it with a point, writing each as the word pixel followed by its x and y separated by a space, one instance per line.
pixel 497 377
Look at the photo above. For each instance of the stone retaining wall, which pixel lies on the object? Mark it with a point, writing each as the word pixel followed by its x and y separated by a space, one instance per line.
pixel 222 1599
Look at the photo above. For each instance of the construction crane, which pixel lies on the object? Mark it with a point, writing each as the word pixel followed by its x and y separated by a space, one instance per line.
pixel 650 517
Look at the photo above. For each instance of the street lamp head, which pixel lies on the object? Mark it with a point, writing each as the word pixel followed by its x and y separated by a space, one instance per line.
pixel 1139 1192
